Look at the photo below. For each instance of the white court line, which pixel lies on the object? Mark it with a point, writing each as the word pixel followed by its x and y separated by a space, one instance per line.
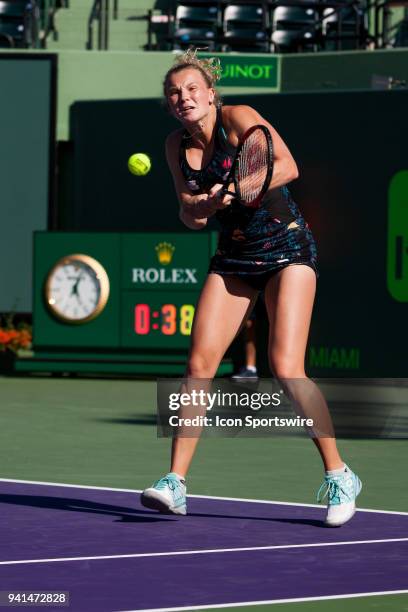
pixel 270 601
pixel 238 499
pixel 215 605
pixel 210 551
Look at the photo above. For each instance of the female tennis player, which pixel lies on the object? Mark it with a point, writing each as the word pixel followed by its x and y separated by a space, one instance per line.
pixel 269 248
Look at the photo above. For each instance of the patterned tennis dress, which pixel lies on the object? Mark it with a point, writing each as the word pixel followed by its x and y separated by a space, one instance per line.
pixel 254 243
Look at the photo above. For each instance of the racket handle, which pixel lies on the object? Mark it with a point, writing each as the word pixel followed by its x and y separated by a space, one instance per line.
pixel 225 191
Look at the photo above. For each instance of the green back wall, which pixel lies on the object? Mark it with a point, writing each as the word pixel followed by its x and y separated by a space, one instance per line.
pixel 101 75
pixel 27 94
pixel 347 170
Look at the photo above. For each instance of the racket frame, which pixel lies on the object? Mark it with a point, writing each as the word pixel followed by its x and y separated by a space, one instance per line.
pixel 235 164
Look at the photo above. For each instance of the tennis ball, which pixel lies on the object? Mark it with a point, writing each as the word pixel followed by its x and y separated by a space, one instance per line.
pixel 139 164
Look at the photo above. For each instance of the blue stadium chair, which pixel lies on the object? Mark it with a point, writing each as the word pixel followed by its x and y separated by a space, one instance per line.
pixel 195 25
pixel 18 24
pixel 294 29
pixel 345 28
pixel 245 28
pixel 401 36
pixel 9 35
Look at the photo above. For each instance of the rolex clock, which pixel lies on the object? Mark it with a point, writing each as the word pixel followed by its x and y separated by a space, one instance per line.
pixel 77 289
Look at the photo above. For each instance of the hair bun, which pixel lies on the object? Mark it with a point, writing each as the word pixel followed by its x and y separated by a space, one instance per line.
pixel 211 65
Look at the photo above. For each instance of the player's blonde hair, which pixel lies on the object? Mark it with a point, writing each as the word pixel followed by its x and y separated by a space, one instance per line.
pixel 209 68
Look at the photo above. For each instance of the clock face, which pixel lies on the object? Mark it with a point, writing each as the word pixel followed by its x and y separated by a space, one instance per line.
pixel 77 289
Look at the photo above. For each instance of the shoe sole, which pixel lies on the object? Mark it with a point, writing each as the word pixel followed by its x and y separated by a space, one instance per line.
pixel 342 523
pixel 155 502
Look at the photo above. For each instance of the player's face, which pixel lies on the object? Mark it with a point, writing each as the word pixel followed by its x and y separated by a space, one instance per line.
pixel 188 95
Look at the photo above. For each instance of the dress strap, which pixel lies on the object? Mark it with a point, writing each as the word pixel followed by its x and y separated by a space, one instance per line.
pixel 222 138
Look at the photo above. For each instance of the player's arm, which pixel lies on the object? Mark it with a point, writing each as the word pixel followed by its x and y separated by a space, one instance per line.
pixel 239 119
pixel 195 209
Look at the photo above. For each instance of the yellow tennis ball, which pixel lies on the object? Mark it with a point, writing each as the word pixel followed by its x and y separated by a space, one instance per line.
pixel 139 164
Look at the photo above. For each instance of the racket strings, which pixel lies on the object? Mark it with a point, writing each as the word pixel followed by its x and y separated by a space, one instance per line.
pixel 253 166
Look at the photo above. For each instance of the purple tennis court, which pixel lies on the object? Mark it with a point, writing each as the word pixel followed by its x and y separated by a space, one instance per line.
pixel 111 554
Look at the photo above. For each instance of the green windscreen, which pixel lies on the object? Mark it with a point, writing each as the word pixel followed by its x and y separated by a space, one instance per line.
pixel 350 148
pixel 26 137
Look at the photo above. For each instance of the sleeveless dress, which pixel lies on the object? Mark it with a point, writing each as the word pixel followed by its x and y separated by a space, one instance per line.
pixel 253 243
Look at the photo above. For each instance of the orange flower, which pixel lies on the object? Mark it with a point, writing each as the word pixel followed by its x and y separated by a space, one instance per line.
pixel 4 337
pixel 13 339
pixel 25 338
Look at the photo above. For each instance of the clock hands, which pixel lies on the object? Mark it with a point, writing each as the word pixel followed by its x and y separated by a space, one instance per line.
pixel 74 288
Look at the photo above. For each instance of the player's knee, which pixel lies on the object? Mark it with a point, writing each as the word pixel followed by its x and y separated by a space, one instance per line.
pixel 201 366
pixel 286 368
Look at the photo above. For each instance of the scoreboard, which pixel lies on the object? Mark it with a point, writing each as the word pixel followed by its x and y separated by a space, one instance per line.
pixel 157 321
pixel 116 301
pixel 162 276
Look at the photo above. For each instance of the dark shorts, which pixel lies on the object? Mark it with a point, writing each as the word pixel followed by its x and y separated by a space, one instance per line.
pixel 259 281
pixel 256 256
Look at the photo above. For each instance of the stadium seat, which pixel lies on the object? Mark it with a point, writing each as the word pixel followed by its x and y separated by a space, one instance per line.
pixel 195 25
pixel 344 29
pixel 245 28
pixel 294 29
pixel 17 25
pixel 401 36
pixel 7 36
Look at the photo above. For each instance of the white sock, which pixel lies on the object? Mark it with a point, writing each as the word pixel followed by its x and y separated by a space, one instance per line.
pixel 336 472
pixel 251 368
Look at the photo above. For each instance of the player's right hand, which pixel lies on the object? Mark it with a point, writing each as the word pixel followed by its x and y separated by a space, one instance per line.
pixel 218 199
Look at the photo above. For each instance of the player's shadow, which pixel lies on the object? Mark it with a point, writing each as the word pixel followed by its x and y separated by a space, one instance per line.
pixel 124 514
pixel 269 519
pixel 299 521
pixel 141 419
pixel 133 515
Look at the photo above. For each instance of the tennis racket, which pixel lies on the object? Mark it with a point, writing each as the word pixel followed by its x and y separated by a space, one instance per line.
pixel 252 168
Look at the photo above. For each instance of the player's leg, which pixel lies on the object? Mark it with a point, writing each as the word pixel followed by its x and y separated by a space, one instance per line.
pixel 250 344
pixel 289 297
pixel 248 372
pixel 222 307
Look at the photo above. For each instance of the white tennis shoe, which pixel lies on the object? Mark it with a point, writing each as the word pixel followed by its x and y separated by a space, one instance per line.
pixel 167 495
pixel 341 491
